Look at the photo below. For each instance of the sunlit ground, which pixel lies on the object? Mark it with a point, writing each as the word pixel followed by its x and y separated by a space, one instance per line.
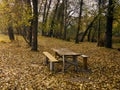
pixel 4 38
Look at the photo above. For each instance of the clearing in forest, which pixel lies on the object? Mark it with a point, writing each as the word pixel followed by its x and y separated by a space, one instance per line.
pixel 22 69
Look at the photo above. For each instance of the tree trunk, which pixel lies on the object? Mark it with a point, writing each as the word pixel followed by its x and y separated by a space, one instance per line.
pixel 89 35
pixel 65 19
pixel 62 20
pixel 93 36
pixel 99 23
pixel 89 26
pixel 11 33
pixel 47 14
pixel 54 18
pixel 35 25
pixel 48 9
pixel 108 33
pixel 29 34
pixel 44 16
pixel 29 28
pixel 99 30
pixel 79 22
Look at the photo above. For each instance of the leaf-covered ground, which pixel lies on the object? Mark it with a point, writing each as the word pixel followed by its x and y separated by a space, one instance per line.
pixel 22 69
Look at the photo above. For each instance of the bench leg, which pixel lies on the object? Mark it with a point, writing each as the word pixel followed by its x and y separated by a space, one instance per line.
pixel 85 63
pixel 51 66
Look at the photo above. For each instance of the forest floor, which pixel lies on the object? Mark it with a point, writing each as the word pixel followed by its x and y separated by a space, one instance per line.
pixel 23 69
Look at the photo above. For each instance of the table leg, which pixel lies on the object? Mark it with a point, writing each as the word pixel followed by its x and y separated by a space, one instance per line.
pixel 63 63
pixel 85 63
pixel 76 62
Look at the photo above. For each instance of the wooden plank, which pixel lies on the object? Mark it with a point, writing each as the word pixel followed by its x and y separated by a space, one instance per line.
pixel 66 52
pixel 84 56
pixel 51 66
pixel 85 61
pixel 50 57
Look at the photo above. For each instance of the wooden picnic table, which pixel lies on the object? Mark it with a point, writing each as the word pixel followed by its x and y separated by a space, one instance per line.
pixel 65 53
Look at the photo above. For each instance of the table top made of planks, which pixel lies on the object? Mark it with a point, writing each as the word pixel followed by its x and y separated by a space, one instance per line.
pixel 65 52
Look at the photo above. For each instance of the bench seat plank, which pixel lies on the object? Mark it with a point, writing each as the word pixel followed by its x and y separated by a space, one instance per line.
pixel 84 56
pixel 50 57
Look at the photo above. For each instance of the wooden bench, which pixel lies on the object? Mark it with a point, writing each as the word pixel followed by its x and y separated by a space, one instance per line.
pixel 50 59
pixel 85 61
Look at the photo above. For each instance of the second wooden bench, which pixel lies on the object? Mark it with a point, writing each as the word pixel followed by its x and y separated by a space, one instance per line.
pixel 50 59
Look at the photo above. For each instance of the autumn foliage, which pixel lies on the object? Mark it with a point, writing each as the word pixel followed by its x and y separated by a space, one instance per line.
pixel 22 69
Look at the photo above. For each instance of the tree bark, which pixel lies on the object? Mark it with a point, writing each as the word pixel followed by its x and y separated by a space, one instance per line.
pixel 79 22
pixel 29 28
pixel 44 16
pixel 65 19
pixel 11 33
pixel 35 25
pixel 54 18
pixel 89 35
pixel 99 23
pixel 108 33
pixel 47 14
pixel 93 36
pixel 62 20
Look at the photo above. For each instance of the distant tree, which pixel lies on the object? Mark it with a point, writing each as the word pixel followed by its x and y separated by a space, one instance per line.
pixel 61 17
pixel 8 9
pixel 48 11
pixel 88 28
pixel 101 9
pixel 65 2
pixel 52 24
pixel 99 22
pixel 11 33
pixel 44 16
pixel 79 21
pixel 27 30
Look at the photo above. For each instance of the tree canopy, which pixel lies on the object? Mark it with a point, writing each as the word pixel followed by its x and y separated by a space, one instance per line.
pixel 64 19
